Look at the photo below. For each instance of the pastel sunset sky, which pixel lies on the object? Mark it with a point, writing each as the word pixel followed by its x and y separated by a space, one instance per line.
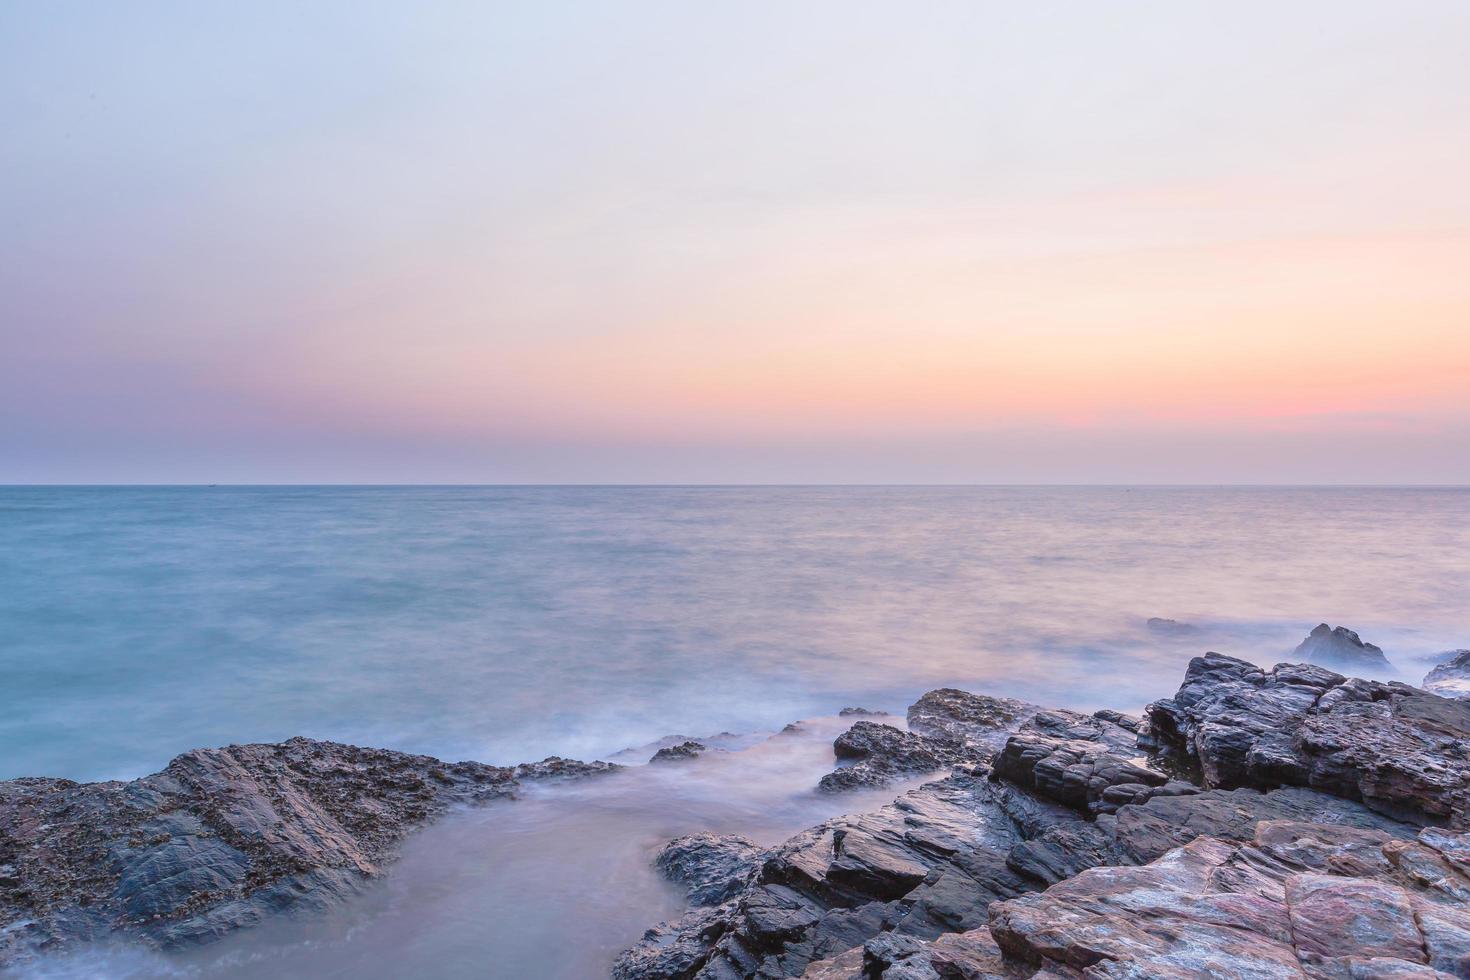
pixel 735 242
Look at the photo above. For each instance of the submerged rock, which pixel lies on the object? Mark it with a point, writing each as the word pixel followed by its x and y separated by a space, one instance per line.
pixel 222 838
pixel 1170 627
pixel 1340 647
pixel 1451 679
pixel 861 712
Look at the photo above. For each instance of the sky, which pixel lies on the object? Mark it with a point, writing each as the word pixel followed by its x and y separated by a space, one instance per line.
pixel 743 242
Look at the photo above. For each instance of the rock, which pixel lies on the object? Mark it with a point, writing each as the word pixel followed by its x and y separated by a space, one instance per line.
pixel 877 754
pixel 909 884
pixel 222 838
pixel 555 767
pixel 1400 750
pixel 927 864
pixel 1300 900
pixel 1340 647
pixel 1451 679
pixel 1117 731
pixel 1176 814
pixel 711 868
pixel 861 712
pixel 674 753
pixel 979 722
pixel 1170 627
pixel 1084 775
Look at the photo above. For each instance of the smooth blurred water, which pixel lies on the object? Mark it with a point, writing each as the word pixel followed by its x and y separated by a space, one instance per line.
pixel 507 623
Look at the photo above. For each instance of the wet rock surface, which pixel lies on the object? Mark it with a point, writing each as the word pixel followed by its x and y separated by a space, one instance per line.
pixel 1341 649
pixel 1301 900
pixel 711 867
pixel 1289 822
pixel 978 722
pixel 221 839
pixel 947 727
pixel 1451 678
pixel 1105 846
pixel 876 755
pixel 1400 750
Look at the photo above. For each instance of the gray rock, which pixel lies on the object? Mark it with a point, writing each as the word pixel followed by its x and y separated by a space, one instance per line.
pixel 222 838
pixel 1340 647
pixel 927 864
pixel 1084 775
pixel 1170 627
pixel 675 753
pixel 1400 750
pixel 978 721
pixel 875 755
pixel 711 868
pixel 1451 679
pixel 861 712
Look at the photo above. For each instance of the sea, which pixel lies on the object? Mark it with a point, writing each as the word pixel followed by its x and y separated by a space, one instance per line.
pixel 506 624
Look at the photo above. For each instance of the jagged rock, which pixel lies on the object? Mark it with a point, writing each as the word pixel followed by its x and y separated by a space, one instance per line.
pixel 979 722
pixel 1056 849
pixel 1451 679
pixel 1302 900
pixel 861 712
pixel 877 754
pixel 1117 731
pixel 1170 627
pixel 711 868
pixel 674 753
pixel 1400 750
pixel 1082 774
pixel 927 864
pixel 1340 647
pixel 222 838
pixel 889 882
pixel 555 767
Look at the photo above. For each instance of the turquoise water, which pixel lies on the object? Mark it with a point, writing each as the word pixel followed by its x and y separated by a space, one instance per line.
pixel 505 624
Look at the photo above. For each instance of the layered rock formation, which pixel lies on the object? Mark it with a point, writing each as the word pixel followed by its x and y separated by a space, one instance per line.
pixel 1289 822
pixel 1282 823
pixel 222 838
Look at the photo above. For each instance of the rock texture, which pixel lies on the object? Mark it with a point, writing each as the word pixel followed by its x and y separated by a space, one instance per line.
pixel 1451 679
pixel 1340 648
pixel 1301 900
pixel 674 753
pixel 1400 750
pixel 870 895
pixel 711 868
pixel 875 755
pixel 947 727
pixel 978 722
pixel 222 838
pixel 1258 824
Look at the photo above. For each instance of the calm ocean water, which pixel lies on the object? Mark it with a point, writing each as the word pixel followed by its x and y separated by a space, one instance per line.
pixel 505 624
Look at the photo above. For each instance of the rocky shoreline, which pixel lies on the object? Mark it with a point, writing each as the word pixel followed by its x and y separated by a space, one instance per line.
pixel 1291 822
